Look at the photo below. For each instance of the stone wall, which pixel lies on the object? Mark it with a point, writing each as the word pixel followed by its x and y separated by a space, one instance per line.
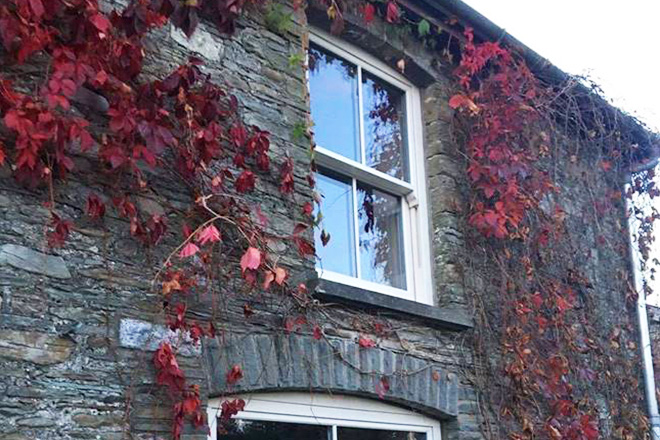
pixel 78 325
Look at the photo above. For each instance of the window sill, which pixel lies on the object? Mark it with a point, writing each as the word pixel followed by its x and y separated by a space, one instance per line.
pixel 365 299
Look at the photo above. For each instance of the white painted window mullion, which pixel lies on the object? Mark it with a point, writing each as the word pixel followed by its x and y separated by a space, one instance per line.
pixel 356 230
pixel 363 157
pixel 334 432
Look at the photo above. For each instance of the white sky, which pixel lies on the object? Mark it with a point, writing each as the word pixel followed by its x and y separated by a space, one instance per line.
pixel 616 42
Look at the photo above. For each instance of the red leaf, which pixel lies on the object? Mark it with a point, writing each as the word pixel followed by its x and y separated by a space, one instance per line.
pixel 231 408
pixel 305 247
pixel 208 234
pixel 191 405
pixel 286 176
pixel 234 375
pixel 392 14
pixel 318 333
pixel 95 207
pixel 457 101
pixel 562 303
pixel 245 182
pixel 251 259
pixel 189 250
pixel 589 427
pixel 169 373
pixel 382 387
pixel 369 12
pixel 365 342
pixel 86 141
pixel 238 135
pixel 100 22
pixel 37 8
pixel 61 230
pixel 308 209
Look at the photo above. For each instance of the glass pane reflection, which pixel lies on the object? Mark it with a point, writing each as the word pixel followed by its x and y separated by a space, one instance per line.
pixel 333 89
pixel 381 240
pixel 384 127
pixel 374 434
pixel 337 208
pixel 238 429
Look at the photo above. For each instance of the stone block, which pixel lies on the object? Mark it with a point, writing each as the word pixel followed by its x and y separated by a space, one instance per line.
pixel 24 258
pixel 39 348
pixel 201 42
pixel 143 335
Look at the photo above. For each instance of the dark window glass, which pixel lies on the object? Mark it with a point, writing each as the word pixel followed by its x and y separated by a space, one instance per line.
pixel 381 238
pixel 333 89
pixel 384 127
pixel 239 429
pixel 374 434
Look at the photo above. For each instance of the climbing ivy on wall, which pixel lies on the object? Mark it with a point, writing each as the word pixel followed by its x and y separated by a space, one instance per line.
pixel 182 122
pixel 91 96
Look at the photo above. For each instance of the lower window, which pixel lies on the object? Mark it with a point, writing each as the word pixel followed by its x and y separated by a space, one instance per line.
pixel 306 416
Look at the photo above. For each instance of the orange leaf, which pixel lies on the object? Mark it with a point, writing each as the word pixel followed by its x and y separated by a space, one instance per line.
pixel 280 275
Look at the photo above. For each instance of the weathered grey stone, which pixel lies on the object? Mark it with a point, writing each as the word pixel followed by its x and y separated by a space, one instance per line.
pixel 96 420
pixel 14 436
pixel 4 201
pixel 24 258
pixel 37 422
pixel 39 348
pixel 114 278
pixel 150 206
pixel 201 42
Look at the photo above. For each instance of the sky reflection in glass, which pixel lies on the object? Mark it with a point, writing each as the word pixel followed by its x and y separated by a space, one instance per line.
pixel 333 86
pixel 337 207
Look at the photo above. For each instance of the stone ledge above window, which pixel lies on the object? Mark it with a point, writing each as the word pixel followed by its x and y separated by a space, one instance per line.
pixel 436 317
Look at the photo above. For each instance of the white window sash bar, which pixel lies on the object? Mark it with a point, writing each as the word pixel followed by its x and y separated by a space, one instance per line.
pixel 338 163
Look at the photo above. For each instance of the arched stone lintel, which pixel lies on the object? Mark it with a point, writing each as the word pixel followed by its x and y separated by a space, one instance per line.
pixel 300 363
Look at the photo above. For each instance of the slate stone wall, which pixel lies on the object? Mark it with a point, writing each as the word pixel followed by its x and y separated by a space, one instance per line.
pixel 78 325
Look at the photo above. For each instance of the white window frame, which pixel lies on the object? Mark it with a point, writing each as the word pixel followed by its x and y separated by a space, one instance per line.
pixel 328 410
pixel 415 224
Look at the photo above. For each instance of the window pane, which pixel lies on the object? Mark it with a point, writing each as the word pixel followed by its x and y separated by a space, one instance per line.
pixel 337 208
pixel 373 434
pixel 239 429
pixel 333 89
pixel 385 127
pixel 381 238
